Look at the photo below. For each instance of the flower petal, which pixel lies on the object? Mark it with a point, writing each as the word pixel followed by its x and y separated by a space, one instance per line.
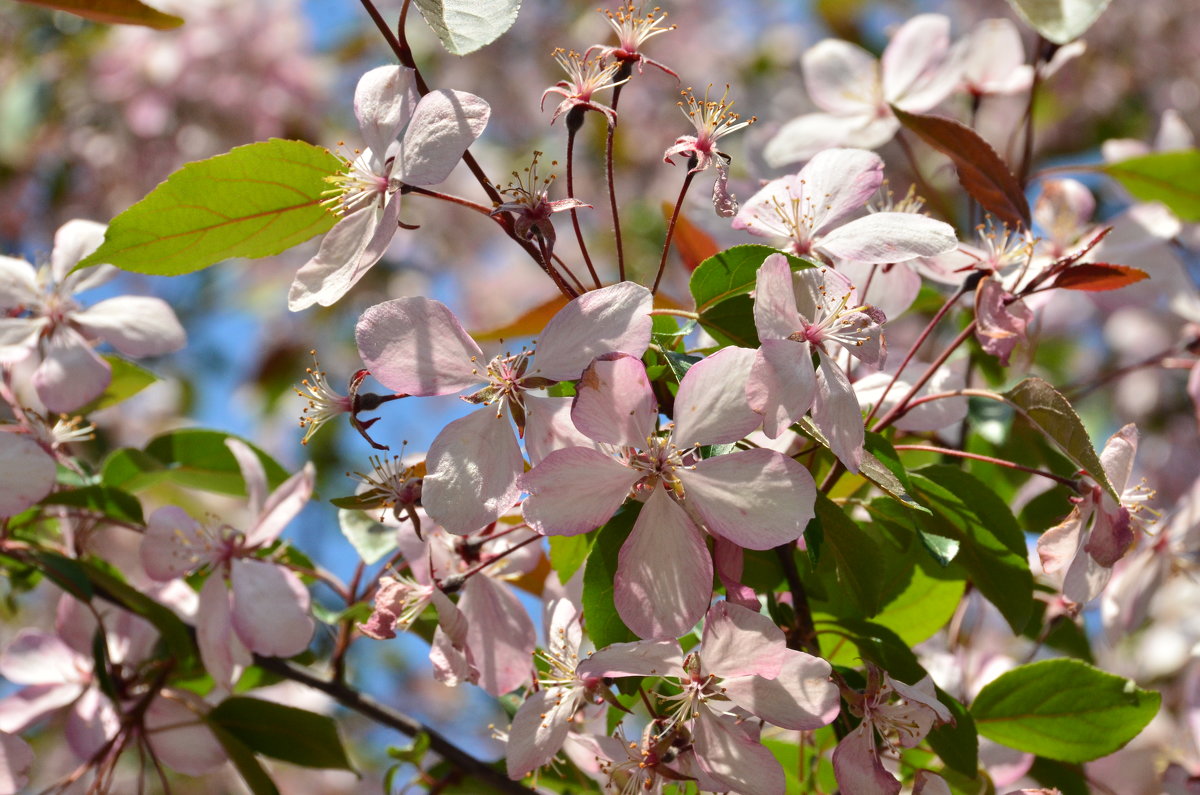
pixel 270 608
pixel 575 490
pixel 16 760
pixel 91 722
pixel 775 315
pixel 500 635
pixel 711 406
pixel 857 767
pixel 18 283
pixel 444 124
pixel 416 346
pixel 548 427
pixel 840 77
pixel 664 573
pixel 282 506
pixel 473 466
pixel 27 472
pixel 179 737
pixel 837 183
pixel 34 657
pixel 888 237
pixel 738 641
pixel 71 374
pixel 727 753
pixel 614 402
pixel 1117 456
pixel 805 136
pixel 801 697
pixel 30 704
pixel 890 289
pixel 913 63
pixel 637 658
pixel 74 240
pixel 538 731
pixel 384 100
pixel 222 652
pixel 136 325
pixel 838 415
pixel 614 319
pixel 347 252
pixel 172 545
pixel 756 498
pixel 782 384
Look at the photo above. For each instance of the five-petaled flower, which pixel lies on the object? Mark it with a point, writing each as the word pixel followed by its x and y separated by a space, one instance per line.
pixel 586 77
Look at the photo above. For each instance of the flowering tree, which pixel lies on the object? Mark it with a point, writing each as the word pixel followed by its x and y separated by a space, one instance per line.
pixel 791 495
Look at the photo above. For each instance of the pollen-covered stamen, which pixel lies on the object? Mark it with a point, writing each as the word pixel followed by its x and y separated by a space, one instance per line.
pixel 213 542
pixel 586 76
pixel 324 402
pixel 1004 249
pixel 504 374
pixel 713 119
pixel 396 486
pixel 528 188
pixel 796 217
pixel 886 202
pixel 659 460
pixel 836 322
pixel 363 183
pixel 634 27
pixel 695 688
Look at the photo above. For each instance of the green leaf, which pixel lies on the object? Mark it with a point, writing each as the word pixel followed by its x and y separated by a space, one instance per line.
pixel 1060 21
pixel 113 12
pixel 731 322
pixel 858 640
pixel 280 732
pixel 194 457
pixel 253 201
pixel 248 766
pixel 463 26
pixel 102 500
pixel 956 743
pixel 1172 178
pixel 599 613
pixel 732 272
pixel 992 546
pixel 568 553
pixel 370 539
pixel 1050 412
pixel 174 632
pixel 64 572
pixel 882 467
pixel 857 556
pixel 127 380
pixel 1063 709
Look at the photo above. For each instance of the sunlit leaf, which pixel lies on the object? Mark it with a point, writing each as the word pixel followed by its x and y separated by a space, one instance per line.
pixel 604 624
pixel 113 12
pixel 253 201
pixel 1060 21
pixel 127 380
pixel 292 735
pixel 464 26
pixel 1172 178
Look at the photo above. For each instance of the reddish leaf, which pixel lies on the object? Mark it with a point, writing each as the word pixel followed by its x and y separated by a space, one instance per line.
pixel 1098 276
pixel 113 12
pixel 529 324
pixel 693 244
pixel 981 172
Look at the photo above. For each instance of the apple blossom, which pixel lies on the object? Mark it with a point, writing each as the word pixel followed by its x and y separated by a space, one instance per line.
pixel 437 128
pixel 39 315
pixel 531 206
pixel 993 59
pixel 634 27
pixel 713 120
pixel 587 76
pixel 418 347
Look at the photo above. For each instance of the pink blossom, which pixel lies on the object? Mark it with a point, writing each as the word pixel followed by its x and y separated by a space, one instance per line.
pixel 16 759
pixel 713 120
pixel 39 315
pixel 932 416
pixel 1000 319
pixel 1099 530
pixel 531 206
pixel 855 91
pixel 634 27
pixel 757 498
pixel 437 128
pixel 993 59
pixel 27 471
pixel 742 663
pixel 587 76
pixel 266 610
pixel 418 347
pixel 811 211
pixel 795 313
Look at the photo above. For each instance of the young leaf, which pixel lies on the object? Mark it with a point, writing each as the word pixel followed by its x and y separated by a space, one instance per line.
pixel 253 201
pixel 1063 709
pixel 603 624
pixel 113 12
pixel 463 26
pixel 981 172
pixel 732 272
pixel 1172 178
pixel 127 380
pixel 1050 413
pixel 192 457
pixel 858 557
pixel 1099 276
pixel 568 553
pixel 370 539
pixel 101 500
pixel 1060 21
pixel 731 322
pixel 280 732
pixel 247 764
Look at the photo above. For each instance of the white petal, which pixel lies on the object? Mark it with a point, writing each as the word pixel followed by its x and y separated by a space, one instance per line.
pixel 416 346
pixel 801 697
pixel 135 325
pixel 888 237
pixel 473 467
pixel 384 100
pixel 575 490
pixel 500 635
pixel 74 240
pixel 711 406
pixel 728 754
pixel 841 78
pixel 838 415
pixel 838 182
pixel 614 319
pixel 270 608
pixel 347 252
pixel 71 374
pixel 18 283
pixel 444 124
pixel 27 472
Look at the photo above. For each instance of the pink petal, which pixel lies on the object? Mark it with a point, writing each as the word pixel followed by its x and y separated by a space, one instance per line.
pixel 840 77
pixel 444 124
pixel 71 374
pixel 838 415
pixel 347 252
pixel 614 402
pixel 473 466
pixel 282 506
pixel 450 664
pixel 500 635
pixel 756 498
pixel 782 384
pixel 890 289
pixel 135 325
pixel 806 136
pixel 270 608
pixel 819 290
pixel 16 760
pixel 252 471
pixel 614 319
pixel 664 573
pixel 1117 456
pixel 995 59
pixel 837 183
pixel 18 283
pixel 1111 536
pixel 74 240
pixel 1059 545
pixel 1000 327
pixel 31 703
pixel 19 337
pixel 91 723
pixel 911 59
pixel 857 767
pixel 548 427
pixel 711 406
pixel 179 737
pixel 888 237
pixel 923 692
pixel 384 100
pixel 926 783
pixel 416 346
pixel 637 658
pixel 559 504
pixel 729 755
pixel 760 215
pixel 775 315
pixel 222 652
pixel 1085 579
pixel 538 731
pixel 801 697
pixel 738 641
pixel 171 544
pixel 34 657
pixel 728 558
pixel 27 472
